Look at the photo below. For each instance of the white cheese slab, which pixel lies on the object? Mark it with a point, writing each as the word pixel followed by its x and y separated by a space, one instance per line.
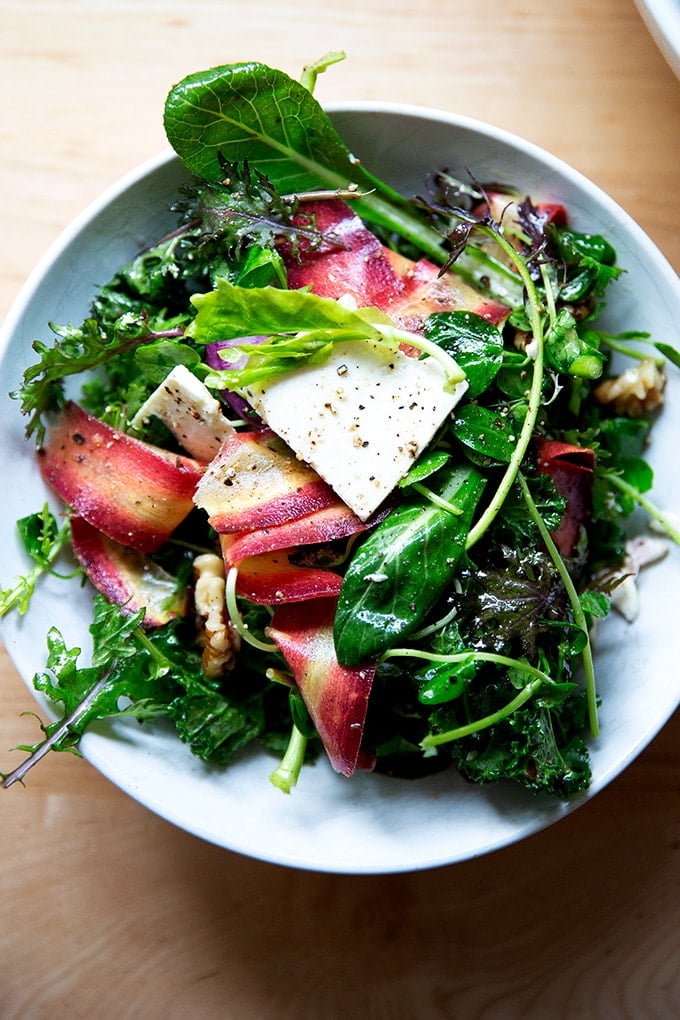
pixel 360 419
pixel 190 411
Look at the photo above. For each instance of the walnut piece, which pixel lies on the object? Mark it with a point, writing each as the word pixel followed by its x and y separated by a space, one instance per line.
pixel 636 391
pixel 217 635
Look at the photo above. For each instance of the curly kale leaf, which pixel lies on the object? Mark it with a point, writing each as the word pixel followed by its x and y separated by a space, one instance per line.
pixel 245 207
pixel 78 349
pixel 149 675
pixel 43 539
pixel 539 747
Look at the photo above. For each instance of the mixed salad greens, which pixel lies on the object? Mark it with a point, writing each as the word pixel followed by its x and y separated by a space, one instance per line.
pixel 349 471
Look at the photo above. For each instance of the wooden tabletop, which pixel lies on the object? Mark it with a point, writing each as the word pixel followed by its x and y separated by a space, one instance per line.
pixel 108 911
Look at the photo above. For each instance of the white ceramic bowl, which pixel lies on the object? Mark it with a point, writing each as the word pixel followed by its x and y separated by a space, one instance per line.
pixel 662 18
pixel 369 824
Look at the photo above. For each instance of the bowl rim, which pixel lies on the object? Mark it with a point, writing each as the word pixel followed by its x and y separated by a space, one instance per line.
pixel 424 112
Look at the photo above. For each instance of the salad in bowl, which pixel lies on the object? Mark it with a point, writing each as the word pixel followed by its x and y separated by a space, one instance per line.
pixel 347 470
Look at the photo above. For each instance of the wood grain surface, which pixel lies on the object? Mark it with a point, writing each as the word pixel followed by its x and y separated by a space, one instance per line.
pixel 108 911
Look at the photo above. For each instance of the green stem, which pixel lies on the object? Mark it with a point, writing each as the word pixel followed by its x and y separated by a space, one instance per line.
pixel 435 739
pixel 539 678
pixel 285 777
pixel 454 373
pixel 22 592
pixel 235 616
pixel 62 731
pixel 310 72
pixel 622 347
pixel 535 392
pixel 646 504
pixel 575 602
pixel 155 653
pixel 443 504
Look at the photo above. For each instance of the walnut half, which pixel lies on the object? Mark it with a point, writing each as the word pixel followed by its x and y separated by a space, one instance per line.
pixel 636 391
pixel 217 635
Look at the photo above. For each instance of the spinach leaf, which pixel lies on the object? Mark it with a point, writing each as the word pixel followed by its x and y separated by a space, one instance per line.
pixel 399 573
pixel 590 260
pixel 488 433
pixel 476 345
pixel 428 464
pixel 252 112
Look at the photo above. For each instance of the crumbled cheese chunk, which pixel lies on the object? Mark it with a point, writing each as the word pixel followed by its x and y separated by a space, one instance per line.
pixel 360 419
pixel 190 411
pixel 640 552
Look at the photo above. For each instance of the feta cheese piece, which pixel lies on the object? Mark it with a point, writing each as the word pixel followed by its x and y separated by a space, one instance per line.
pixel 190 412
pixel 360 419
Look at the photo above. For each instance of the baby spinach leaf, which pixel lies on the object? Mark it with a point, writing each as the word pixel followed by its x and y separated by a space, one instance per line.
pixel 488 433
pixel 444 682
pixel 476 345
pixel 398 574
pixel 426 465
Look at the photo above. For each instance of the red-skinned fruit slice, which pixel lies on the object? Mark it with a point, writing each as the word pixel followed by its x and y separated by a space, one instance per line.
pixel 325 525
pixel 572 469
pixel 355 264
pixel 255 481
pixel 126 576
pixel 336 696
pixel 426 292
pixel 270 579
pixel 135 493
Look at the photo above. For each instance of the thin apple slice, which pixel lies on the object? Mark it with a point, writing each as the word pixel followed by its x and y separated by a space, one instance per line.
pixel 426 292
pixel 270 579
pixel 336 696
pixel 126 576
pixel 354 265
pixel 135 493
pixel 572 470
pixel 255 481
